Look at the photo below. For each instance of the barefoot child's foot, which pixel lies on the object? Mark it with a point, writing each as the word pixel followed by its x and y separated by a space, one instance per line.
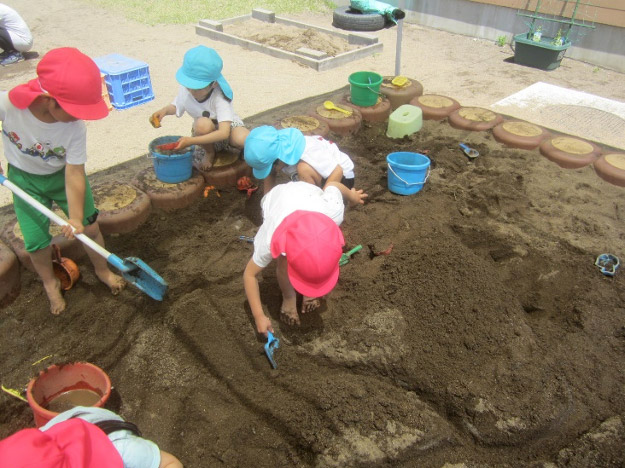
pixel 288 311
pixel 53 290
pixel 310 304
pixel 113 281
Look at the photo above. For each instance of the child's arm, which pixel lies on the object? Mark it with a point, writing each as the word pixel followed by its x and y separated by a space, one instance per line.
pixel 222 133
pixel 75 190
pixel 169 109
pixel 336 175
pixel 250 282
pixel 353 196
pixel 169 461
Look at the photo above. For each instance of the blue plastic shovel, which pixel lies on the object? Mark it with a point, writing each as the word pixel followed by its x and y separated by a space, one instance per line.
pixel 272 344
pixel 133 269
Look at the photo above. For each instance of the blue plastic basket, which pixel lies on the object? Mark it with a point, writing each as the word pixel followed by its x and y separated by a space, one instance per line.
pixel 127 80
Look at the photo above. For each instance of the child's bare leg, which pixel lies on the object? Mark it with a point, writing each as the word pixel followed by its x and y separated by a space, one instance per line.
pixel 204 126
pixel 115 282
pixel 238 136
pixel 42 262
pixel 288 310
pixel 310 304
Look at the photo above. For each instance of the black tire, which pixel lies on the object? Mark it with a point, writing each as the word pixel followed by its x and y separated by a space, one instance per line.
pixel 353 20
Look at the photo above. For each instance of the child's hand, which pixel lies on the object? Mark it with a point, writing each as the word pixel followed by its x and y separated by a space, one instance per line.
pixel 183 143
pixel 357 196
pixel 74 227
pixel 263 324
pixel 155 119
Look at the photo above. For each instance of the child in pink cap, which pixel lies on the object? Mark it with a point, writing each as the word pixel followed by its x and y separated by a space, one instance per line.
pixel 45 143
pixel 207 97
pixel 301 230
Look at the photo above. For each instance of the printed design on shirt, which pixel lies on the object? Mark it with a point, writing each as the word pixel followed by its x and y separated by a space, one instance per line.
pixel 41 150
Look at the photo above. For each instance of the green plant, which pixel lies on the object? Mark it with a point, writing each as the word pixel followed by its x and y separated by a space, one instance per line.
pixel 501 41
pixel 596 70
pixel 538 34
pixel 558 39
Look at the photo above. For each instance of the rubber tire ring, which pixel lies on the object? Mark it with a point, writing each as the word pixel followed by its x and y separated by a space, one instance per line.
pixel 400 95
pixel 126 218
pixel 565 159
pixel 608 171
pixel 227 176
pixel 322 129
pixel 376 113
pixel 169 197
pixel 10 281
pixel 353 20
pixel 69 248
pixel 514 140
pixel 347 125
pixel 435 112
pixel 457 120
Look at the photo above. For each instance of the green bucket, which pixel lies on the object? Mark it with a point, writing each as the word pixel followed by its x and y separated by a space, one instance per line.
pixel 364 88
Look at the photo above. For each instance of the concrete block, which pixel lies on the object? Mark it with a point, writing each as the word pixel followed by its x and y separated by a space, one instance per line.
pixel 361 39
pixel 214 25
pixel 264 15
pixel 312 53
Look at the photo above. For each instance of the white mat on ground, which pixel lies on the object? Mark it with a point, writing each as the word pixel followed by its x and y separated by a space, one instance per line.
pixel 567 111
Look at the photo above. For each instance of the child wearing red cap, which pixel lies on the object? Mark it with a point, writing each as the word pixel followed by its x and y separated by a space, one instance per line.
pixel 44 139
pixel 301 230
pixel 207 97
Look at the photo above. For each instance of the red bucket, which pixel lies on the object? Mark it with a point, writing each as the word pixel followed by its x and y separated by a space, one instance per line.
pixel 86 383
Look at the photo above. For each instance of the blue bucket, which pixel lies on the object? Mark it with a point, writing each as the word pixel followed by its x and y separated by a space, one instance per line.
pixel 407 172
pixel 174 166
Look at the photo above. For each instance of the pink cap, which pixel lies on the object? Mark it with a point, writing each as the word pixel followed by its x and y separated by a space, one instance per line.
pixel 313 245
pixel 74 443
pixel 70 77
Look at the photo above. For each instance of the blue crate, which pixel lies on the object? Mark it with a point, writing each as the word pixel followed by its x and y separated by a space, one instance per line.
pixel 127 80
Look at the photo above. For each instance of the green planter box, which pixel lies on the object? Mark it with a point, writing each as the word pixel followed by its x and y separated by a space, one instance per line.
pixel 544 54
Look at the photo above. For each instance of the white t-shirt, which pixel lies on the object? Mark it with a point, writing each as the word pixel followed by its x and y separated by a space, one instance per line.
pixel 323 156
pixel 17 28
pixel 283 200
pixel 37 147
pixel 136 452
pixel 216 105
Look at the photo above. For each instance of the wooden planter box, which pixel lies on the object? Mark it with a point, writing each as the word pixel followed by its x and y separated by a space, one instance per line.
pixel 544 54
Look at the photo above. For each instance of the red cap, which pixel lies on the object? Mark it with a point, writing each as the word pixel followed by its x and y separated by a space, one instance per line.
pixel 70 77
pixel 74 443
pixel 313 244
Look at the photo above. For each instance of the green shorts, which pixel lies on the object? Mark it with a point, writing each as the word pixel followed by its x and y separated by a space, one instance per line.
pixel 46 189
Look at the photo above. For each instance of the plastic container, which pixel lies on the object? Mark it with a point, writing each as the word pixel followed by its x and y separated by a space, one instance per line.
pixel 405 120
pixel 364 88
pixel 538 54
pixel 59 380
pixel 171 168
pixel 407 172
pixel 127 80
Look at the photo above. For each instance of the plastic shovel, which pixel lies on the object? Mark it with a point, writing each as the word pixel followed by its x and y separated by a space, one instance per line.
pixel 470 152
pixel 344 260
pixel 133 269
pixel 272 344
pixel 331 106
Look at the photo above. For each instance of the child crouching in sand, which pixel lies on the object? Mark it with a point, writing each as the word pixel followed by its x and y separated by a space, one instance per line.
pixel 44 139
pixel 301 230
pixel 207 97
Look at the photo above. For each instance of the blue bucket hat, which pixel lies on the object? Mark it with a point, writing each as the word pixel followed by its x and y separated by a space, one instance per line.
pixel 200 67
pixel 265 144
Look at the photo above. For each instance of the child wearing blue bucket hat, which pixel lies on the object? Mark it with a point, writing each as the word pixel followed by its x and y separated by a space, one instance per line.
pixel 207 97
pixel 312 159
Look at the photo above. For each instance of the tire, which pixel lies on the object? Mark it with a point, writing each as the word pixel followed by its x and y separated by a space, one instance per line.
pixel 338 122
pixel 169 197
pixel 611 168
pixel 353 20
pixel 568 152
pixel 376 113
pixel 400 95
pixel 476 119
pixel 434 106
pixel 227 169
pixel 308 124
pixel 517 134
pixel 123 208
